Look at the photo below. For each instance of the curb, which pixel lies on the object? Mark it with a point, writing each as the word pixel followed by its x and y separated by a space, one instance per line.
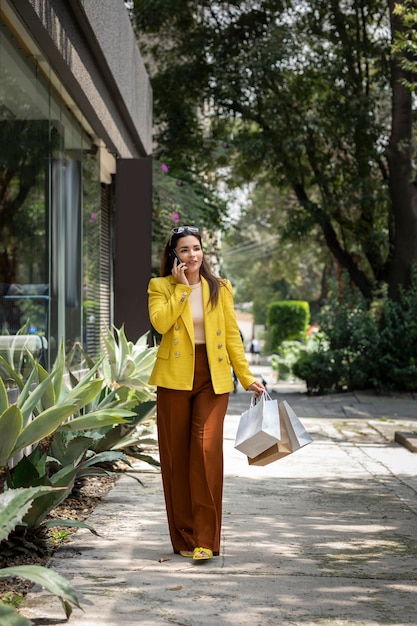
pixel 408 440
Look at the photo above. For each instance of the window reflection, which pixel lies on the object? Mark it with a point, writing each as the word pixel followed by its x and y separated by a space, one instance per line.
pixel 44 185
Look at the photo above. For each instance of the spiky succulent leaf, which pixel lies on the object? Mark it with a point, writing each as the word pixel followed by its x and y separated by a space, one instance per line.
pixel 52 581
pixel 106 457
pixel 11 423
pixel 29 401
pixel 83 393
pixel 4 400
pixel 97 419
pixel 9 616
pixel 48 398
pixel 70 523
pixel 14 504
pixel 43 425
pixel 18 379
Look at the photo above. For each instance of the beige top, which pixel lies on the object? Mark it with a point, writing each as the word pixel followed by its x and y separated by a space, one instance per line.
pixel 196 302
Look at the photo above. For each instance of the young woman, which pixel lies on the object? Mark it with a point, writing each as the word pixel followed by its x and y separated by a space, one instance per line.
pixel 193 311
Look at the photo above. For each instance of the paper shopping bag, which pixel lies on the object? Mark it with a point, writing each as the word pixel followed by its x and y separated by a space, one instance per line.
pixel 259 426
pixel 293 437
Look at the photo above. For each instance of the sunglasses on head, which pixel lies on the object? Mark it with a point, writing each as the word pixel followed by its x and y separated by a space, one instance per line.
pixel 181 229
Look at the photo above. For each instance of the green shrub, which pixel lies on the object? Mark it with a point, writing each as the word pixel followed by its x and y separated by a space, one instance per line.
pixel 396 357
pixel 339 359
pixel 283 361
pixel 362 346
pixel 287 320
pixel 321 370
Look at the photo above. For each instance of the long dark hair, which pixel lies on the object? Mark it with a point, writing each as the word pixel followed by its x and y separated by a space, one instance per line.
pixel 167 262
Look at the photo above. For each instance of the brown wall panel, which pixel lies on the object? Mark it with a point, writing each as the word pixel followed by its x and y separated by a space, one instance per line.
pixel 133 245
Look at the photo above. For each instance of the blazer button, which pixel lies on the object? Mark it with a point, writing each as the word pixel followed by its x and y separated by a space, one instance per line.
pixel 219 332
pixel 220 358
pixel 220 345
pixel 177 327
pixel 175 341
pixel 177 354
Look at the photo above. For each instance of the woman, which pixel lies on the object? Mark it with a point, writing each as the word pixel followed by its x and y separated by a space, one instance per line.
pixel 193 311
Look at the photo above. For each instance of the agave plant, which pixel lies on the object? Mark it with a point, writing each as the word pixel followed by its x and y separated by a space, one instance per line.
pixel 89 422
pixel 18 432
pixel 15 353
pixel 107 403
pixel 128 364
pixel 125 367
pixel 46 402
pixel 14 504
pixel 69 459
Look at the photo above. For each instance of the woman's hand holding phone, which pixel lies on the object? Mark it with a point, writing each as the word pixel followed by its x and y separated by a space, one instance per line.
pixel 178 269
pixel 176 257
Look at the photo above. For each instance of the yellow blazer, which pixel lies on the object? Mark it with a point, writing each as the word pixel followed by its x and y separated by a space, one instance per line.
pixel 170 315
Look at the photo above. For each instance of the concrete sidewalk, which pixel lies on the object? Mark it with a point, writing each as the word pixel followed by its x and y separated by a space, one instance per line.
pixel 327 536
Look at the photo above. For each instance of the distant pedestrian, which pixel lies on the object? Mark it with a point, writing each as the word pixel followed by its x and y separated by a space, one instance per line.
pixel 255 350
pixel 193 311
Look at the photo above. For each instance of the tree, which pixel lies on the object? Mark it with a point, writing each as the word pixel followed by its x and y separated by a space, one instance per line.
pixel 188 199
pixel 299 92
pixel 263 263
pixel 405 41
pixel 403 188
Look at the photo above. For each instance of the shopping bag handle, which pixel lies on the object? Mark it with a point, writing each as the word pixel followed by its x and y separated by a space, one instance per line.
pixel 254 400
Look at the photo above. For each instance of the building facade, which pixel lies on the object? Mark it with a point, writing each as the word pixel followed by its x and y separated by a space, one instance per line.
pixel 75 174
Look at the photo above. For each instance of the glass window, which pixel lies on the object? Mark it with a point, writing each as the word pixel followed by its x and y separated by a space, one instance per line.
pixel 49 198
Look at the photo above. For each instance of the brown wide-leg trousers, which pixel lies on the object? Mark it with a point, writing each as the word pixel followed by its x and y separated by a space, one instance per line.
pixel 190 437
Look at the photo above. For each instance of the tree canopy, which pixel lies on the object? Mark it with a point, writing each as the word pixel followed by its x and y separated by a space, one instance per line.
pixel 305 97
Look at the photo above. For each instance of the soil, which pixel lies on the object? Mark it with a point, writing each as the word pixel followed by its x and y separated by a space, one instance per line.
pixel 78 506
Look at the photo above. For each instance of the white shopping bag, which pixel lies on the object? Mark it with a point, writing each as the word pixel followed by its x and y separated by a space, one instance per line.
pixel 259 426
pixel 293 437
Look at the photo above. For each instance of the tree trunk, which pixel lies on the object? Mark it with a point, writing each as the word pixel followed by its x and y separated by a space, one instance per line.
pixel 403 190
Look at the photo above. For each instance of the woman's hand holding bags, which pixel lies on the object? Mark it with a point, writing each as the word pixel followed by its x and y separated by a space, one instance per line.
pixel 259 426
pixel 269 431
pixel 293 437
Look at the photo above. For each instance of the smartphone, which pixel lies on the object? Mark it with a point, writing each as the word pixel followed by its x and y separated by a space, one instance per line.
pixel 175 256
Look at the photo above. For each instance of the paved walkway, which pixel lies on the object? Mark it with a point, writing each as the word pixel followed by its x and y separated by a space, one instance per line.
pixel 327 536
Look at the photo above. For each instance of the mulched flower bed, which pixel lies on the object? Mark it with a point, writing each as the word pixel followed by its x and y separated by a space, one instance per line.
pixel 77 506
